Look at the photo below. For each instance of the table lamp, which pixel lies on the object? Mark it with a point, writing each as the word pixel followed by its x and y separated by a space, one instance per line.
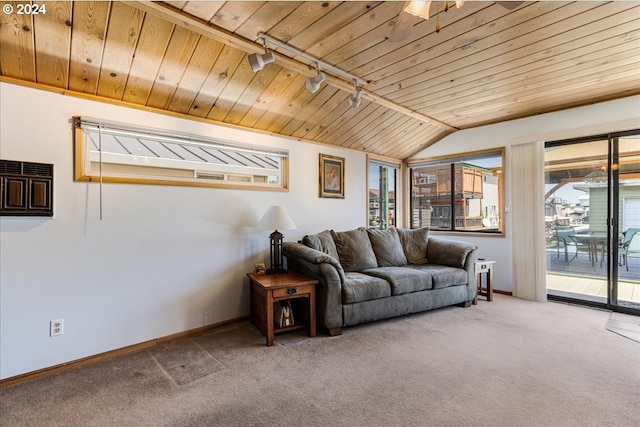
pixel 276 218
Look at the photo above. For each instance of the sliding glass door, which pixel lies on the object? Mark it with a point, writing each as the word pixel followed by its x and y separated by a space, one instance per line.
pixel 592 211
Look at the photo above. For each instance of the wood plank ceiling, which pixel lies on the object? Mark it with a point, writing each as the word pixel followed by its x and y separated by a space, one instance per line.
pixel 489 63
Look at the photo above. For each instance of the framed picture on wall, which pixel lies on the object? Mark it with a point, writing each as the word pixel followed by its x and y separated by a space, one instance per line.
pixel 331 176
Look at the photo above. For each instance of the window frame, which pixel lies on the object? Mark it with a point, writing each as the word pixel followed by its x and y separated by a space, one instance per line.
pixel 100 166
pixel 453 161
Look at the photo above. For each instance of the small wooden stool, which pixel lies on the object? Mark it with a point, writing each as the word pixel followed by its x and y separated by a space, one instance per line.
pixel 483 267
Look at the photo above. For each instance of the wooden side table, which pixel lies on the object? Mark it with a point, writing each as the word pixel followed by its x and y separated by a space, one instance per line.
pixel 266 289
pixel 483 267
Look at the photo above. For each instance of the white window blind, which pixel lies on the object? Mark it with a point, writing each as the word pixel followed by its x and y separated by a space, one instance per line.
pixel 126 153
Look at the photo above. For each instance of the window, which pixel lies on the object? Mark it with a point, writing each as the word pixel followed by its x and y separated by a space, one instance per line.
pixel 382 194
pixel 470 201
pixel 113 152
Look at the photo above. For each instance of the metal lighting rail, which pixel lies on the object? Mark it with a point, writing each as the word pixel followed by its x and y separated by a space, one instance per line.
pixel 319 63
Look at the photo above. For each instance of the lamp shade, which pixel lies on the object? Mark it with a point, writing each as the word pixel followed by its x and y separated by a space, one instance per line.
pixel 276 218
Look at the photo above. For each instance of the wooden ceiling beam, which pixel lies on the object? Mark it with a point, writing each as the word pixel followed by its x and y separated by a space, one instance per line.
pixel 206 29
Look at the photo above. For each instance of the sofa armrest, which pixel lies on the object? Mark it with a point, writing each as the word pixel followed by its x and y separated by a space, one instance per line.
pixel 315 257
pixel 330 275
pixel 455 254
pixel 451 253
pixel 470 267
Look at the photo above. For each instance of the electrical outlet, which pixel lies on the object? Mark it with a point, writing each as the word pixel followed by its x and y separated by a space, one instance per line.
pixel 56 327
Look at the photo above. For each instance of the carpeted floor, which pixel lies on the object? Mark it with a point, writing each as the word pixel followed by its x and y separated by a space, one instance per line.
pixel 509 362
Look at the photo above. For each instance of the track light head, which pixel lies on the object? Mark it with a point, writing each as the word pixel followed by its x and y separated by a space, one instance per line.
pixel 258 61
pixel 355 99
pixel 313 83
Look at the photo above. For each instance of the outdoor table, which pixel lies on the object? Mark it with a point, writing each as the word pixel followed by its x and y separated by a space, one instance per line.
pixel 592 240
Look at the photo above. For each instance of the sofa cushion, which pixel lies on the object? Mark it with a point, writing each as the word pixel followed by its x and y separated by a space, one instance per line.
pixel 448 252
pixel 443 276
pixel 354 249
pixel 403 280
pixel 414 244
pixel 387 247
pixel 359 287
pixel 322 242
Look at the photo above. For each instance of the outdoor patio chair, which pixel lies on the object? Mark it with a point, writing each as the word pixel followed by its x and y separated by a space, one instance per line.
pixel 624 243
pixel 564 238
pixel 561 236
pixel 632 249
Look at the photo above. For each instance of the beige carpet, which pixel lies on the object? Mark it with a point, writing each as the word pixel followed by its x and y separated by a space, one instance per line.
pixel 504 363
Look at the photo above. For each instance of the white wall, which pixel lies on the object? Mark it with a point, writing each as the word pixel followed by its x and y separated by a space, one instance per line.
pixel 163 259
pixel 622 114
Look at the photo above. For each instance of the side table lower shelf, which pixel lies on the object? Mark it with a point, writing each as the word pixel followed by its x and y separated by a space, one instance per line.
pixel 267 289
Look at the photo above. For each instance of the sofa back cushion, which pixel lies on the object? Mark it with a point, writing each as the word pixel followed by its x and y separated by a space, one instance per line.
pixel 387 247
pixel 322 242
pixel 414 244
pixel 354 249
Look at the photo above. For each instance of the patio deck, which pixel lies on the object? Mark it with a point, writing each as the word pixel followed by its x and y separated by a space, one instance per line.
pixel 580 277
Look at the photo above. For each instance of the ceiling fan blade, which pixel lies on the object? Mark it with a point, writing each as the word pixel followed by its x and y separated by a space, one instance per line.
pixel 403 25
pixel 509 4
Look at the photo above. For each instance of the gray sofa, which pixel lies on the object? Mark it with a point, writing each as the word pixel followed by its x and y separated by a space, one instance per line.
pixel 366 275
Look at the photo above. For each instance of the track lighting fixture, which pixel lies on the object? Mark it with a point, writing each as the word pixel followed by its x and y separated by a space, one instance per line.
pixel 258 61
pixel 356 98
pixel 313 83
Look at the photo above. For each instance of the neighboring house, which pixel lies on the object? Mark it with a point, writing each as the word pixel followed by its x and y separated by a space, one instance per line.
pixel 475 197
pixel 629 206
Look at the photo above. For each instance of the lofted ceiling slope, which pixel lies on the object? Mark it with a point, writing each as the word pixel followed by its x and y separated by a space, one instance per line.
pixel 488 64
